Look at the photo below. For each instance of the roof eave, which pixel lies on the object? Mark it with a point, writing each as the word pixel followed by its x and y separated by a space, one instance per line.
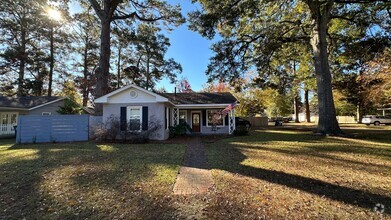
pixel 104 99
pixel 47 103
pixel 13 109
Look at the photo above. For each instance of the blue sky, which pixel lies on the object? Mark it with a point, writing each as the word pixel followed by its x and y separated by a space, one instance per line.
pixel 187 47
pixel 190 50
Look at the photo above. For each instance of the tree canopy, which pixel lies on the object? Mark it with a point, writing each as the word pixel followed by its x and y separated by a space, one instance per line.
pixel 40 53
pixel 255 32
pixel 136 11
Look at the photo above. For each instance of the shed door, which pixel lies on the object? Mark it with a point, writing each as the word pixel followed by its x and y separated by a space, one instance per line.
pixel 195 122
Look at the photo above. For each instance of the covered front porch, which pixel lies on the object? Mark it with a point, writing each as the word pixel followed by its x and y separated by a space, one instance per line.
pixel 206 119
pixel 8 121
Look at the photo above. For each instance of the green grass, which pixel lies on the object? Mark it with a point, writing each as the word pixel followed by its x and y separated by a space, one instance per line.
pixel 275 173
pixel 87 180
pixel 290 172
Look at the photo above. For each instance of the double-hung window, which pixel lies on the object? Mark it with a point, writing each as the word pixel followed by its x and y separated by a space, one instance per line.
pixel 135 118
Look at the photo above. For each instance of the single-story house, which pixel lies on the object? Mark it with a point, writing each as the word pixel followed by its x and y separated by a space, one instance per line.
pixel 11 108
pixel 132 104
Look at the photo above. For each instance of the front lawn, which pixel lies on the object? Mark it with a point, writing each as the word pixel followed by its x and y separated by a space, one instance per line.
pixel 276 173
pixel 289 172
pixel 87 180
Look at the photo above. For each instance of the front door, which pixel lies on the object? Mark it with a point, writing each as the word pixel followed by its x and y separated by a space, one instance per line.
pixel 195 122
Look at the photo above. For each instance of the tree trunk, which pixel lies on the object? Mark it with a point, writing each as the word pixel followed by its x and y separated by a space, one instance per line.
pixel 296 108
pixel 296 94
pixel 22 65
pixel 359 114
pixel 85 74
pixel 51 65
pixel 119 67
pixel 328 123
pixel 39 80
pixel 307 106
pixel 147 73
pixel 102 72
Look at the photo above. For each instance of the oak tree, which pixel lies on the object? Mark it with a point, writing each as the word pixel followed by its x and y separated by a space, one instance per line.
pixel 252 30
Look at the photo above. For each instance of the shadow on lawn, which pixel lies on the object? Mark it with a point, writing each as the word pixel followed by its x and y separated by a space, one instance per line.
pixel 370 167
pixel 38 187
pixel 320 143
pixel 231 161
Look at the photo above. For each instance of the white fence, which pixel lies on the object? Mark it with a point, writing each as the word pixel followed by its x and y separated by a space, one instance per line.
pixel 52 128
pixel 340 119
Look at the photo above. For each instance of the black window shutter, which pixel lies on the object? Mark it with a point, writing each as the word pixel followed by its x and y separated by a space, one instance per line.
pixel 145 118
pixel 169 117
pixel 123 119
pixel 165 117
pixel 226 120
pixel 203 117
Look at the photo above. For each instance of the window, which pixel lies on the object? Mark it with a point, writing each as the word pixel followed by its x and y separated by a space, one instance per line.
pixel 4 122
pixel 182 116
pixel 14 118
pixel 134 118
pixel 215 116
pixel 46 113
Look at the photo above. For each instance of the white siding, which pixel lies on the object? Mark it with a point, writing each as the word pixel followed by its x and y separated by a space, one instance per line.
pixel 155 112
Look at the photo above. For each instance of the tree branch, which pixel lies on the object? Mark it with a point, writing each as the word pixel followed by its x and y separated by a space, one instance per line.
pixel 97 8
pixel 343 18
pixel 113 7
pixel 135 15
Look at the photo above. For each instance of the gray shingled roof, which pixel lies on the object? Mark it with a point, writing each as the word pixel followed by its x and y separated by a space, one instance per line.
pixel 200 98
pixel 26 102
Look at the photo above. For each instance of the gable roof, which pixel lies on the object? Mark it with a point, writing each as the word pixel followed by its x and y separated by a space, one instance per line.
pixel 200 98
pixel 28 102
pixel 104 99
pixel 194 98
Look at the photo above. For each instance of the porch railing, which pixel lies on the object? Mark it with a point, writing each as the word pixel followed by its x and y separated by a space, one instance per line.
pixel 6 129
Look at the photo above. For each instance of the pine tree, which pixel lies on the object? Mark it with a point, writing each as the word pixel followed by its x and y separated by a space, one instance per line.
pixel 109 11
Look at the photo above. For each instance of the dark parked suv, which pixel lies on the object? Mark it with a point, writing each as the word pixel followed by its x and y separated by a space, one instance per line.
pixel 242 122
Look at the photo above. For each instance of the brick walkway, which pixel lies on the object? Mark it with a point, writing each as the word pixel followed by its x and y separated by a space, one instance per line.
pixel 194 176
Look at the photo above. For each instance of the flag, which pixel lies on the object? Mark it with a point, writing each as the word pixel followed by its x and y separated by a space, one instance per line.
pixel 229 108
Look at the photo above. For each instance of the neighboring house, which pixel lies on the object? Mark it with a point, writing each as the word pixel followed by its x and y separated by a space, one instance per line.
pixel 11 108
pixel 134 104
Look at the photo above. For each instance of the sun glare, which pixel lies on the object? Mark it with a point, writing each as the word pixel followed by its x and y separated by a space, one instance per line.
pixel 54 14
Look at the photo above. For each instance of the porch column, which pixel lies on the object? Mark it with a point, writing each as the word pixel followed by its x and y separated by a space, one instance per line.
pixel 231 121
pixel 175 116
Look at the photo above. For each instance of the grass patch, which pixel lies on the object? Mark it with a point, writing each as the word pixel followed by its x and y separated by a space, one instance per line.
pixel 291 173
pixel 86 180
pixel 274 173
